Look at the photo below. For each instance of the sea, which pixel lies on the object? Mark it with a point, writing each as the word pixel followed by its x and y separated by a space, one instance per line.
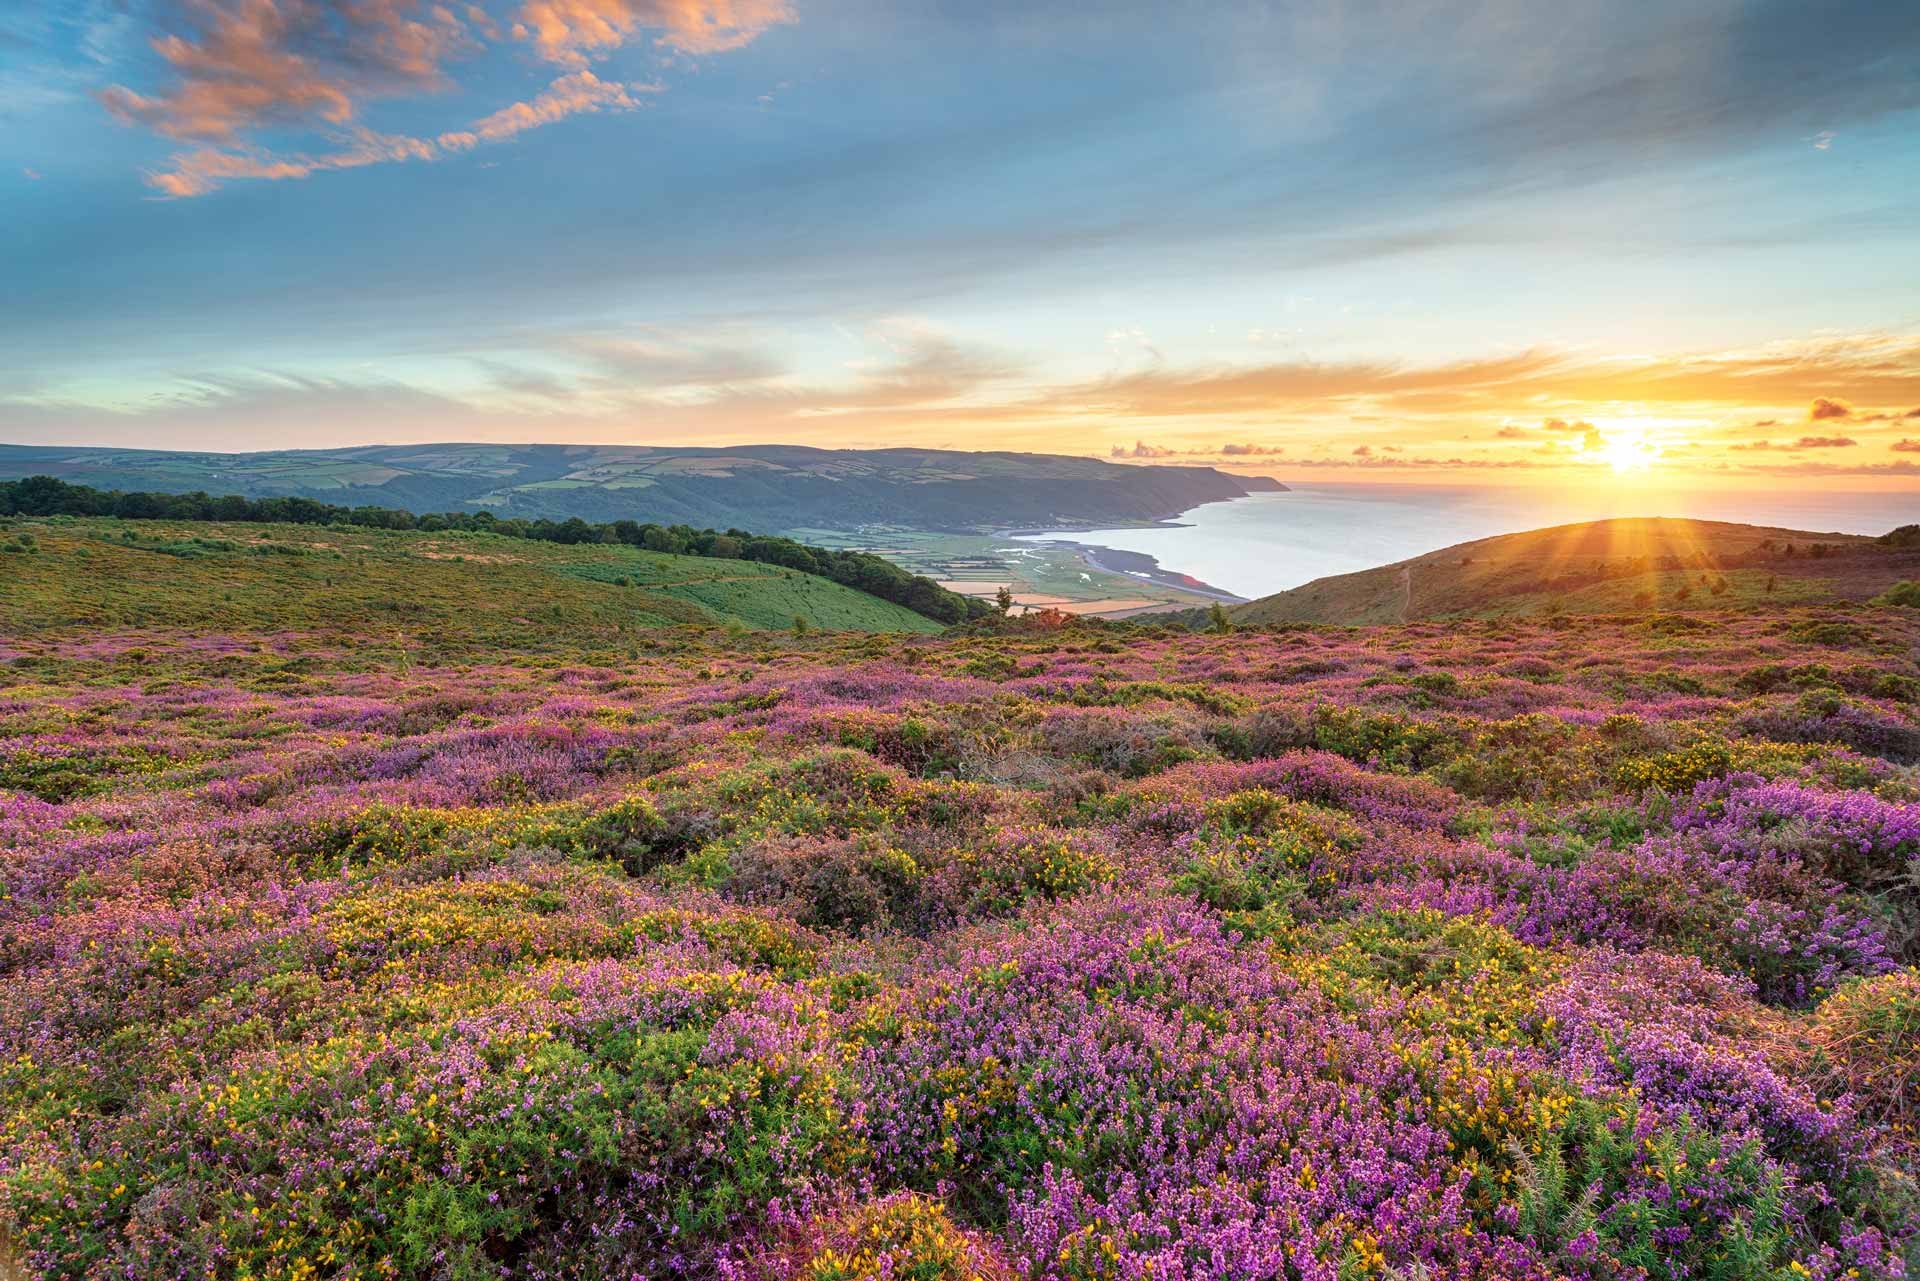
pixel 1267 543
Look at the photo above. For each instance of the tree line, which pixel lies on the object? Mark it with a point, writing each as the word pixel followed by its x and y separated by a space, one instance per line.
pixel 863 571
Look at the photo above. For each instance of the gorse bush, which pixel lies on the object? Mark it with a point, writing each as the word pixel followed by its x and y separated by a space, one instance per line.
pixel 1578 948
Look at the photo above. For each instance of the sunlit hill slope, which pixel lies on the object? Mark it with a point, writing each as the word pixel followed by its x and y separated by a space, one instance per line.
pixel 1603 567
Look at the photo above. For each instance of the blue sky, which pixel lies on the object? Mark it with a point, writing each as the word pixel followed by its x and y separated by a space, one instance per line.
pixel 1375 237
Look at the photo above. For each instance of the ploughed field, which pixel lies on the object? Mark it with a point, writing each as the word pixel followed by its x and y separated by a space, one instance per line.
pixel 1545 948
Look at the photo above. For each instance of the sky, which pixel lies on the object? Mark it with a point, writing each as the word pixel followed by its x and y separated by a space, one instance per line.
pixel 1491 241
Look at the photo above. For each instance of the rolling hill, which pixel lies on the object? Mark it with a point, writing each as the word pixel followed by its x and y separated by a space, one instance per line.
pixel 766 488
pixel 1601 567
pixel 453 591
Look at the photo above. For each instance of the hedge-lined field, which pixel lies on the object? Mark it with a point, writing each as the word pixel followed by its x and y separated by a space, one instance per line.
pixel 1516 950
pixel 451 590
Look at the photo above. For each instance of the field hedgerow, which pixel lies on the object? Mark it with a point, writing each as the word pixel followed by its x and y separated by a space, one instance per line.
pixel 1560 949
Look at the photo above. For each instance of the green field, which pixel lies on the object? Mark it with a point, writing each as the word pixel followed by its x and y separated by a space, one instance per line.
pixel 454 589
pixel 1029 567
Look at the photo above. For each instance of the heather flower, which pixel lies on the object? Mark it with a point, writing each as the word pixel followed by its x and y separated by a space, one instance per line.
pixel 1489 949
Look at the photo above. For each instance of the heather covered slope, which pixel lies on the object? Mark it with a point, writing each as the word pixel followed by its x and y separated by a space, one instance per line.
pixel 759 487
pixel 448 589
pixel 1510 949
pixel 1602 567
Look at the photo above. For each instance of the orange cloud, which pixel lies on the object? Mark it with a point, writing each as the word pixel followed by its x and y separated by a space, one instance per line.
pixel 1878 369
pixel 1172 392
pixel 197 172
pixel 571 31
pixel 245 64
pixel 1805 442
pixel 254 62
pixel 1672 397
pixel 1140 449
pixel 1824 407
pixel 570 95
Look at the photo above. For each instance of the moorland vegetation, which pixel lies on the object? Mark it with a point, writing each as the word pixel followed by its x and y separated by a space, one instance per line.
pixel 348 933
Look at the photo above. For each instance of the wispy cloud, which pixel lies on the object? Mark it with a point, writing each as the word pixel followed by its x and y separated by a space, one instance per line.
pixel 1873 369
pixel 923 366
pixel 1794 446
pixel 196 172
pixel 650 363
pixel 1141 449
pixel 570 95
pixel 732 381
pixel 239 67
pixel 259 409
pixel 1228 390
pixel 730 375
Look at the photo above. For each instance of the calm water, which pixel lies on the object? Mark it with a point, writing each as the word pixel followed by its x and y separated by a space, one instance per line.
pixel 1270 542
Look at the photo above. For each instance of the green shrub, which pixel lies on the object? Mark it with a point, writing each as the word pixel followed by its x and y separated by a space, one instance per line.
pixel 1675 1205
pixel 1905 594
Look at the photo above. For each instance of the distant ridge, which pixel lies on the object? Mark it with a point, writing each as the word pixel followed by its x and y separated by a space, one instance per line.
pixel 1604 566
pixel 766 488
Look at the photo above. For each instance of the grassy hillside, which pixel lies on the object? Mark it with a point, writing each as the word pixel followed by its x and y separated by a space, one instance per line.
pixel 451 589
pixel 1602 567
pixel 760 487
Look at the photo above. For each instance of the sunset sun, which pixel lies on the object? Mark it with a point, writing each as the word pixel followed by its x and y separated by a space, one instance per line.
pixel 1628 451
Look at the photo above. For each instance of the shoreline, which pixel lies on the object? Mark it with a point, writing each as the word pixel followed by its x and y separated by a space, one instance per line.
pixel 1130 564
pixel 1143 567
